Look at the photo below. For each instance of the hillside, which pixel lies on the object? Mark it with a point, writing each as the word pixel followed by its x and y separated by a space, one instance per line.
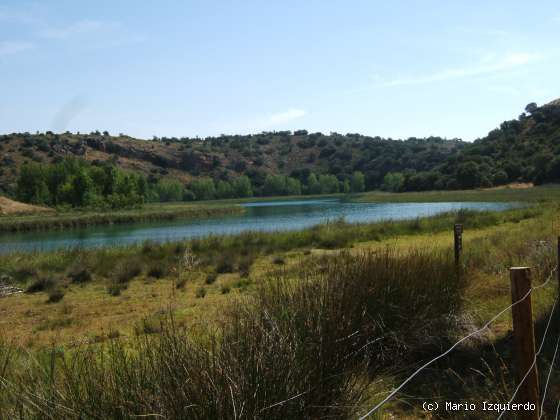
pixel 228 156
pixel 526 149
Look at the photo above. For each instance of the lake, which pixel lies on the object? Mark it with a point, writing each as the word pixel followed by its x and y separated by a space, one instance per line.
pixel 259 216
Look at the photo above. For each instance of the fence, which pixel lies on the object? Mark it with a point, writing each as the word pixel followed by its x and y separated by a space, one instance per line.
pixel 527 390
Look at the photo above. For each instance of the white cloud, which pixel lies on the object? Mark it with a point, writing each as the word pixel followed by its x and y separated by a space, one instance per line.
pixel 489 65
pixel 283 117
pixel 14 47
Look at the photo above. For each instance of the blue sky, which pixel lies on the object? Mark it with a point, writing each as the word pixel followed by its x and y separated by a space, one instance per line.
pixel 187 68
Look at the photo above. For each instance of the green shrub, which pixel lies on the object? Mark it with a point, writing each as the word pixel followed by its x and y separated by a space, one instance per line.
pixel 157 271
pixel 278 260
pixel 225 265
pixel 127 270
pixel 40 285
pixel 200 292
pixel 115 288
pixel 22 274
pixel 211 278
pixel 148 326
pixel 79 275
pixel 245 266
pixel 55 296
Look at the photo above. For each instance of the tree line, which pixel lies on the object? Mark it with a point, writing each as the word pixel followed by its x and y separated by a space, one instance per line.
pixel 77 183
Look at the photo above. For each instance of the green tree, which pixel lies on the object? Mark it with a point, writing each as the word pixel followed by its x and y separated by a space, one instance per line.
pixel 468 175
pixel 274 185
pixel 393 182
pixel 224 189
pixel 358 183
pixel 82 188
pixel 203 189
pixel 169 190
pixel 31 185
pixel 242 187
pixel 293 186
pixel 329 184
pixel 313 186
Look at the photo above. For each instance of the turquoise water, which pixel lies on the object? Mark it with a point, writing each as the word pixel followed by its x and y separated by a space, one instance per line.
pixel 260 216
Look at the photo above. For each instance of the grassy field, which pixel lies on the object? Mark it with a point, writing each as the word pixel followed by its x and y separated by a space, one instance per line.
pixel 325 320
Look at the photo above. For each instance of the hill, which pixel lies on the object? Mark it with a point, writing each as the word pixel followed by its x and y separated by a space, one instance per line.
pixel 225 157
pixel 526 149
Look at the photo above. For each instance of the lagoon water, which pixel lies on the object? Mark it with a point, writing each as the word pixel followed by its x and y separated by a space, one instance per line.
pixel 259 216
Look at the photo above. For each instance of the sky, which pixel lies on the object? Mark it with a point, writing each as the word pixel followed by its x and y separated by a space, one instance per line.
pixel 398 69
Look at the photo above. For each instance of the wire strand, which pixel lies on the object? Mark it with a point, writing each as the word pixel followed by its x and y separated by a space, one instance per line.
pixel 548 376
pixel 425 365
pixel 534 358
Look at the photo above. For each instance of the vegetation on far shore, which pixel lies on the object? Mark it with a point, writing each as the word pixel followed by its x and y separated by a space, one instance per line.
pixel 282 163
pixel 69 218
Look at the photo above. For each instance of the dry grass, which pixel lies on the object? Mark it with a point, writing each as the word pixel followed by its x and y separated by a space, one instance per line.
pixel 15 208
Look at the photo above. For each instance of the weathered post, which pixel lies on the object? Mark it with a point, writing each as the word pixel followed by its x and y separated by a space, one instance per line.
pixel 458 240
pixel 558 264
pixel 524 340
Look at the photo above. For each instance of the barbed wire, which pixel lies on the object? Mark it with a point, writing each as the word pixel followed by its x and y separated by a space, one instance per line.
pixel 549 374
pixel 534 359
pixel 450 349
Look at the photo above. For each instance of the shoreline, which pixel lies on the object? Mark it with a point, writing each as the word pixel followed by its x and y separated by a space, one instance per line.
pixel 183 210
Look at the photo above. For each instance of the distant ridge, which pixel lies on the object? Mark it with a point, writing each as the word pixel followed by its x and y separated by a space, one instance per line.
pixel 521 150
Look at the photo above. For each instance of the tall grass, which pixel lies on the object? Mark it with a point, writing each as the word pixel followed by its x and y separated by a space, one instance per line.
pixel 299 348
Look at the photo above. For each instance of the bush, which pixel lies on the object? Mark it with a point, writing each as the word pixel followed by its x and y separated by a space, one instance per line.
pixel 225 289
pixel 157 271
pixel 148 326
pixel 211 278
pixel 80 275
pixel 127 270
pixel 278 260
pixel 40 285
pixel 245 267
pixel 115 289
pixel 55 296
pixel 225 265
pixel 200 292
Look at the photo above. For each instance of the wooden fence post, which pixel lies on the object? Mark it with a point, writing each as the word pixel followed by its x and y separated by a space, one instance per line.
pixel 524 340
pixel 558 264
pixel 458 242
